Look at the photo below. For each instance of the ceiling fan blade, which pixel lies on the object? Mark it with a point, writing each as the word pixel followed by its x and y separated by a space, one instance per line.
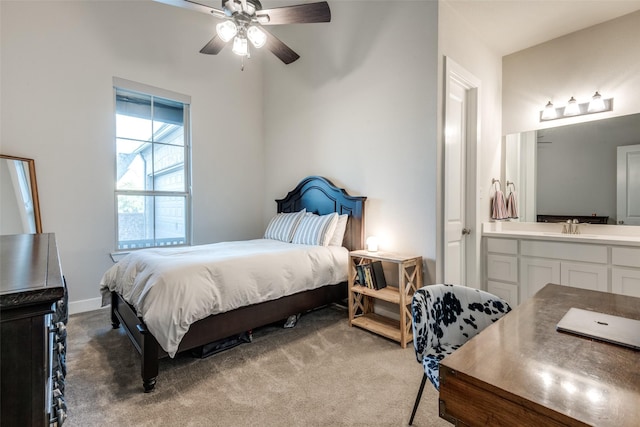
pixel 299 14
pixel 195 6
pixel 214 46
pixel 279 49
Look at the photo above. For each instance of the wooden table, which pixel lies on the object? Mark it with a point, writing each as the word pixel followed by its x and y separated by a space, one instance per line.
pixel 521 371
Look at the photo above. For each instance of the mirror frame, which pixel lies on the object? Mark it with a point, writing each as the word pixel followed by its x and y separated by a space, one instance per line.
pixel 34 188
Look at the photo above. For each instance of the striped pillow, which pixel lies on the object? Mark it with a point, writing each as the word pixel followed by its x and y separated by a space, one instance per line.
pixel 315 230
pixel 283 225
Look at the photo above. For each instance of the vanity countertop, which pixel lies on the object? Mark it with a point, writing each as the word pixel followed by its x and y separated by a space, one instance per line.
pixel 626 235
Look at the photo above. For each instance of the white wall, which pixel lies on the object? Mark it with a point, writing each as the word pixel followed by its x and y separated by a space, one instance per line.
pixel 58 59
pixel 359 108
pixel 458 42
pixel 603 58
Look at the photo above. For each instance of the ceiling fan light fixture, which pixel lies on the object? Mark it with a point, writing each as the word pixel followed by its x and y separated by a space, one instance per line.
pixel 240 46
pixel 257 37
pixel 226 30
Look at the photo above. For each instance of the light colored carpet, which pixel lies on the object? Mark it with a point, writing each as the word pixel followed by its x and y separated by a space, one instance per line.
pixel 320 373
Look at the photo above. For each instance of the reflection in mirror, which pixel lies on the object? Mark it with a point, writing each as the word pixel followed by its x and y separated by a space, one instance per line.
pixel 572 170
pixel 19 206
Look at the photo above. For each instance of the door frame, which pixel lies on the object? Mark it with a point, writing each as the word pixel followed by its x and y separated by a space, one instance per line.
pixel 622 185
pixel 453 71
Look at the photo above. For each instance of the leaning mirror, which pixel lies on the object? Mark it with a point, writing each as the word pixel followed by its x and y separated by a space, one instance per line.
pixel 587 171
pixel 19 206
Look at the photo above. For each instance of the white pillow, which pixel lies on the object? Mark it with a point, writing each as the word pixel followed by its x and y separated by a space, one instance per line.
pixel 315 229
pixel 338 233
pixel 283 226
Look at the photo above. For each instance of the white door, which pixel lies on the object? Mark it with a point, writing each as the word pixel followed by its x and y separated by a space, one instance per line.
pixel 628 191
pixel 460 136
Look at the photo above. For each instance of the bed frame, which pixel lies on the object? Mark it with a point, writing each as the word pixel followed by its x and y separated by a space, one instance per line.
pixel 317 195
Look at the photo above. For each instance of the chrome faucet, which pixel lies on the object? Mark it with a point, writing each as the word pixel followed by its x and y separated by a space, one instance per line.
pixel 571 227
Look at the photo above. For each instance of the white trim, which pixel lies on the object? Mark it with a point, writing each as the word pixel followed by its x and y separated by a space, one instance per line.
pixel 454 72
pixel 151 90
pixel 129 85
pixel 85 305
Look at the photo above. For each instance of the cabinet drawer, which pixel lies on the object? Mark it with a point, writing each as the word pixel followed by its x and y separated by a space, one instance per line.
pixel 502 267
pixel 628 257
pixel 568 251
pixel 503 246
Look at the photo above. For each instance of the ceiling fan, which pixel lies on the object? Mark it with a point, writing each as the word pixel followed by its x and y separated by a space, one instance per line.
pixel 244 20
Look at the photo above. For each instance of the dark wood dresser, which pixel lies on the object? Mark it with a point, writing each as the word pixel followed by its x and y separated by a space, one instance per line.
pixel 33 317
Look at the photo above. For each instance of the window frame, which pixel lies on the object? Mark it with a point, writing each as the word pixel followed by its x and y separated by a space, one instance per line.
pixel 185 100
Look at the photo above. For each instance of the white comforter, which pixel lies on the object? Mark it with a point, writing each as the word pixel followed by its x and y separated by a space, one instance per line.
pixel 171 288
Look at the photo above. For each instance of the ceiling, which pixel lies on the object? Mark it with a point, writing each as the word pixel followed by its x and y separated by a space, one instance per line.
pixel 512 25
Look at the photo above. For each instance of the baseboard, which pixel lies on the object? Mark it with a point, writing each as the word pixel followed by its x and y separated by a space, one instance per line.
pixel 85 305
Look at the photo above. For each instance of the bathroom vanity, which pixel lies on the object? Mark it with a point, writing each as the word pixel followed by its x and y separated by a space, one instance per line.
pixel 520 258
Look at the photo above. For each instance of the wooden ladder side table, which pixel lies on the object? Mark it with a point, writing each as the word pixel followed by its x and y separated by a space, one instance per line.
pixel 361 299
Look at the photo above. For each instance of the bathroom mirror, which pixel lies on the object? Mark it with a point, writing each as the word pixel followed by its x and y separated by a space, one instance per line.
pixel 569 170
pixel 19 206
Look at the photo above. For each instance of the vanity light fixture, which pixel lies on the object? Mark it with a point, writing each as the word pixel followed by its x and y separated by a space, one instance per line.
pixel 597 104
pixel 549 112
pixel 572 108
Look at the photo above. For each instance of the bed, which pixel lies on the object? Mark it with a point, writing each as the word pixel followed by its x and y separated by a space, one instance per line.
pixel 315 195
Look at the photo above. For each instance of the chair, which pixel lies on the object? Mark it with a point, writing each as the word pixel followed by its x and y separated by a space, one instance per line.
pixel 444 318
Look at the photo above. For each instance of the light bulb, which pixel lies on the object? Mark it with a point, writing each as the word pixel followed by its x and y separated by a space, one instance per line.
pixel 257 37
pixel 596 104
pixel 240 46
pixel 372 244
pixel 572 108
pixel 549 112
pixel 226 30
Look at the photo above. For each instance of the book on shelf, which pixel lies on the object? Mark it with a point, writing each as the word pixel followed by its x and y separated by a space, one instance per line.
pixel 368 276
pixel 361 278
pixel 371 275
pixel 365 277
pixel 377 273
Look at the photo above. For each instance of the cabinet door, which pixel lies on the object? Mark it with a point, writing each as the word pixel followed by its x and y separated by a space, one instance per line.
pixel 535 273
pixel 502 267
pixel 625 281
pixel 506 291
pixel 585 276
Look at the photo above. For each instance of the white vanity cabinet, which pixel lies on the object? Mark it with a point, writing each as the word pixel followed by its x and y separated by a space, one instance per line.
pixel 516 268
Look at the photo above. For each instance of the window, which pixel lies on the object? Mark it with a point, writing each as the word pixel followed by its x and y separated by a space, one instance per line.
pixel 153 202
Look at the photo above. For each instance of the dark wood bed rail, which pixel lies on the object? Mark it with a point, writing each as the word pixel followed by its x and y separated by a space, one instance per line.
pixel 315 194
